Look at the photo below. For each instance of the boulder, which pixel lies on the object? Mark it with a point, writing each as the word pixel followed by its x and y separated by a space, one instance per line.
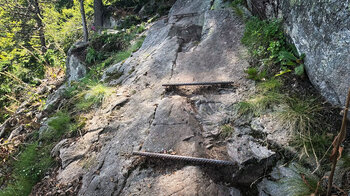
pixel 253 158
pixel 75 68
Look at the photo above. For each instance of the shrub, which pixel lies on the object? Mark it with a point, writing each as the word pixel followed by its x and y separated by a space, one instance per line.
pixel 92 55
pixel 129 21
pixel 300 114
pixel 58 125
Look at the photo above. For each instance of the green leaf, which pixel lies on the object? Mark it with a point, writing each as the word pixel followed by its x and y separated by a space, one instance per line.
pixel 291 63
pixel 284 55
pixel 299 70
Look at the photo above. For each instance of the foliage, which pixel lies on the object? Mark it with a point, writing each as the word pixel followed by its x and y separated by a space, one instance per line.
pixel 151 7
pixel 235 4
pixel 30 167
pixel 23 62
pixel 97 70
pixel 107 49
pixel 268 45
pixel 255 74
pixel 129 21
pixel 59 124
pixel 92 55
pixel 301 114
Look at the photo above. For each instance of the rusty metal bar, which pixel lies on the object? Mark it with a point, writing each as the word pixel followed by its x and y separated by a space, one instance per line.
pixel 185 158
pixel 199 83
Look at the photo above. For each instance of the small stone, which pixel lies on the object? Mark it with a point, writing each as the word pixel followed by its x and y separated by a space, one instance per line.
pixel 209 146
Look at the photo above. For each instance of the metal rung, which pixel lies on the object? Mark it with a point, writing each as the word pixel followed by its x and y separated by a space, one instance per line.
pixel 199 83
pixel 185 158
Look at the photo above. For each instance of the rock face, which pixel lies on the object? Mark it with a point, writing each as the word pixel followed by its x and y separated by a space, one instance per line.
pixel 321 30
pixel 194 44
pixel 202 47
pixel 76 68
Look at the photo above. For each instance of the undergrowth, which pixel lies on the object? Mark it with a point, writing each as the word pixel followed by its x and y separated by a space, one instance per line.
pixel 276 66
pixel 270 49
pixel 96 71
pixel 30 167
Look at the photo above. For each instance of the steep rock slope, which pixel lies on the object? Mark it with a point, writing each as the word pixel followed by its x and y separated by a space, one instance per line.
pixel 193 44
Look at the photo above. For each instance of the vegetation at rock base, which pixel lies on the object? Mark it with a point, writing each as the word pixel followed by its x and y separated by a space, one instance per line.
pixel 277 67
pixel 33 57
pixel 270 50
pixel 226 131
pixel 272 57
pixel 31 165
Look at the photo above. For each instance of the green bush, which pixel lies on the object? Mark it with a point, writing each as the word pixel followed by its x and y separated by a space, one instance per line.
pixel 92 55
pixel 226 131
pixel 303 182
pixel 268 44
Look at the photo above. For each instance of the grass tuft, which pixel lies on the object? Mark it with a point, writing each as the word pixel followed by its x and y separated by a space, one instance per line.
pixel 94 95
pixel 300 114
pixel 226 131
pixel 266 97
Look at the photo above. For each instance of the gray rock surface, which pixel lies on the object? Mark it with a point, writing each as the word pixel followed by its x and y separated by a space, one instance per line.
pixel 75 68
pixel 321 30
pixel 54 99
pixel 78 149
pixel 192 48
pixel 281 181
pixel 143 116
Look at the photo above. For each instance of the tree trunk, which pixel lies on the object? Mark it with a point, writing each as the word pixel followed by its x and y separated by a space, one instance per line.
pixel 98 14
pixel 38 18
pixel 82 11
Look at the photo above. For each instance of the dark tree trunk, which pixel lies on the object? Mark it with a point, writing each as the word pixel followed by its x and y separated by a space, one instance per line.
pixel 82 11
pixel 98 14
pixel 38 18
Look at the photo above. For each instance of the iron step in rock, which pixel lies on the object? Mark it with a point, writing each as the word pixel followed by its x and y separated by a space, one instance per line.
pixel 185 158
pixel 223 83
